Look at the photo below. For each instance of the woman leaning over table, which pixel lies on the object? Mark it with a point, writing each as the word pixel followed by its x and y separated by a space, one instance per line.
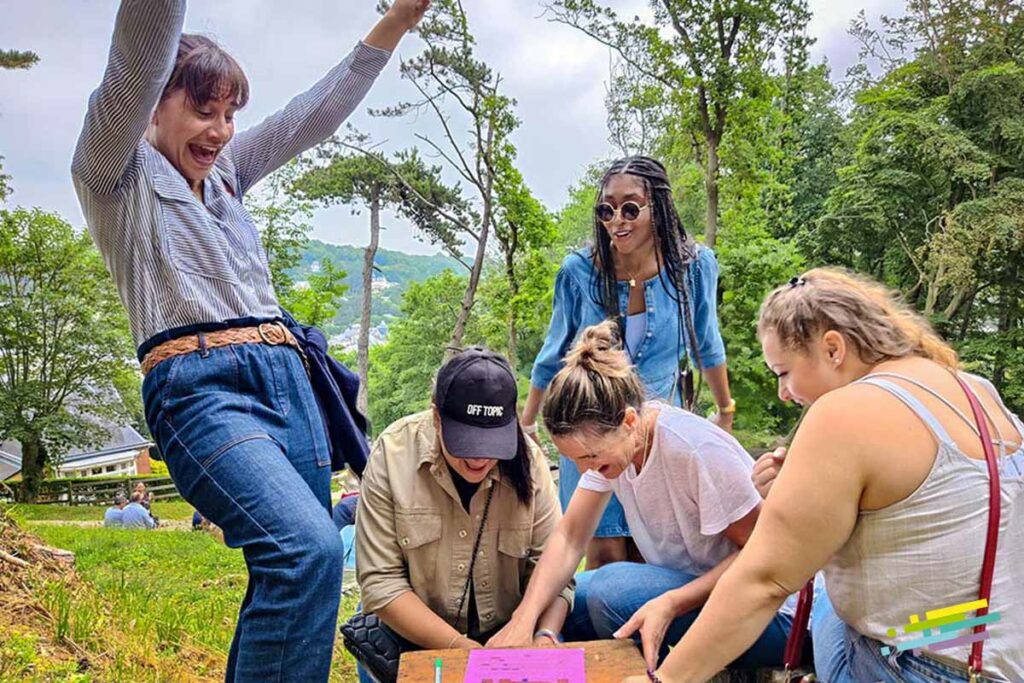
pixel 686 490
pixel 455 507
pixel 886 487
pixel 648 275
pixel 160 175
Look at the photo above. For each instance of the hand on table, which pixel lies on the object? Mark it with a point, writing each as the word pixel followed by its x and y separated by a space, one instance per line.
pixel 766 469
pixel 464 643
pixel 516 633
pixel 652 620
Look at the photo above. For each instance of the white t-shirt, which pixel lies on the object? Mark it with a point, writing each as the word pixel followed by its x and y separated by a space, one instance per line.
pixel 695 483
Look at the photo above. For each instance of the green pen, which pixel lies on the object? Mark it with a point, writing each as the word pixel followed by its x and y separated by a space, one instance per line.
pixel 437 670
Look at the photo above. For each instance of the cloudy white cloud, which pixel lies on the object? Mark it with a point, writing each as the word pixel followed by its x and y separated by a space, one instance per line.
pixel 556 74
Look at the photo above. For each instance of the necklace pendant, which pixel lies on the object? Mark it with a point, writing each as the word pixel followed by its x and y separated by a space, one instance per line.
pixel 632 282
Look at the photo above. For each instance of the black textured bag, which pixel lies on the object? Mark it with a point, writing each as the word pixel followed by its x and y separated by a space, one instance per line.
pixel 375 646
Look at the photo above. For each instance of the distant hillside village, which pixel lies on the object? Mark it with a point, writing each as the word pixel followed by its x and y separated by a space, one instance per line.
pixel 348 340
pixel 394 271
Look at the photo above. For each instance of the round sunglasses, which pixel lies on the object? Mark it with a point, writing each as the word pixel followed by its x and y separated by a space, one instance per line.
pixel 630 211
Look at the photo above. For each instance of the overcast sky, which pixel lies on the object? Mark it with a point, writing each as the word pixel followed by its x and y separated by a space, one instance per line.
pixel 557 75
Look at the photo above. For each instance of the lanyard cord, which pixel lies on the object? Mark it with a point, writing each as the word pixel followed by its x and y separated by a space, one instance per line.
pixel 476 548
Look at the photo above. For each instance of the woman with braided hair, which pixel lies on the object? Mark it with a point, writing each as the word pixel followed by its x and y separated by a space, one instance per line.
pixel 646 273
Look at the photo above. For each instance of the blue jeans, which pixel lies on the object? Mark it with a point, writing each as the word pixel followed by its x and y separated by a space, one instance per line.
pixel 613 593
pixel 613 521
pixel 842 655
pixel 241 434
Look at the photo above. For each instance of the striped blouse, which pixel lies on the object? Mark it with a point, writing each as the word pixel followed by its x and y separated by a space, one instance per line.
pixel 179 263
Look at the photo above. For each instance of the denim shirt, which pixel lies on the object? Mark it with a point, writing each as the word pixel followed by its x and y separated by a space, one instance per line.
pixel 657 358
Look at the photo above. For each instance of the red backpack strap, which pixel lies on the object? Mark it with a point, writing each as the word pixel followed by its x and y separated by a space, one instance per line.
pixel 988 564
pixel 798 631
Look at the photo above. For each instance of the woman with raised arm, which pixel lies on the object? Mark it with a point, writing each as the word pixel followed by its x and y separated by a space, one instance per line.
pixel 160 175
pixel 685 487
pixel 886 487
pixel 645 273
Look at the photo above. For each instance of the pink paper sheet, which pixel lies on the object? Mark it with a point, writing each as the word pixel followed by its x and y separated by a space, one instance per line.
pixel 545 665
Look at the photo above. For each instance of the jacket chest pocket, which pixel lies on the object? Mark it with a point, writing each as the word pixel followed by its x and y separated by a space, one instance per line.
pixel 513 554
pixel 419 536
pixel 194 241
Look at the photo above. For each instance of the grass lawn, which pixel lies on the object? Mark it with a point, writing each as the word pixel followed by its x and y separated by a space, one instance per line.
pixel 164 509
pixel 170 592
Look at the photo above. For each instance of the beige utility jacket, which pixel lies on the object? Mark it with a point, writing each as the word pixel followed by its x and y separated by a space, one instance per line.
pixel 412 533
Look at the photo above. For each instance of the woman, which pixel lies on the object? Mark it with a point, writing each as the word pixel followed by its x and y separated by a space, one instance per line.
pixel 685 486
pixel 455 507
pixel 161 175
pixel 885 486
pixel 647 274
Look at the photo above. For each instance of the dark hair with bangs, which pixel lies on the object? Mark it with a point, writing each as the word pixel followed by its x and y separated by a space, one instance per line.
pixel 206 72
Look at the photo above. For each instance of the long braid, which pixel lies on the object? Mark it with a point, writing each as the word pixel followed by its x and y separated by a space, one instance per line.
pixel 675 250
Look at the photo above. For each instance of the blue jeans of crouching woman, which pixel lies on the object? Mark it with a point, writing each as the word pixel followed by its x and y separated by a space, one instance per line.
pixel 608 597
pixel 241 434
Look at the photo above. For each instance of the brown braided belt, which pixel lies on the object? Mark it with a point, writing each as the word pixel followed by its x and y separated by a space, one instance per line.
pixel 274 334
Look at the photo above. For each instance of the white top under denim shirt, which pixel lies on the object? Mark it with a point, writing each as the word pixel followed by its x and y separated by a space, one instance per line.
pixel 925 552
pixel 661 344
pixel 179 263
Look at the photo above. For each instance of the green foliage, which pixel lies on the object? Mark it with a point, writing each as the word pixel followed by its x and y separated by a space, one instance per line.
pixel 63 336
pixel 930 198
pixel 317 301
pixel 476 128
pixel 17 59
pixel 284 221
pixel 5 180
pixel 402 371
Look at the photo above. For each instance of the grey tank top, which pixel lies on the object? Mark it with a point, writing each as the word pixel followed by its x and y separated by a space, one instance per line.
pixel 924 552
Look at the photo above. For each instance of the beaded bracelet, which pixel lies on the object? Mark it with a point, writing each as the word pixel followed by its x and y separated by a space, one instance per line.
pixel 653 677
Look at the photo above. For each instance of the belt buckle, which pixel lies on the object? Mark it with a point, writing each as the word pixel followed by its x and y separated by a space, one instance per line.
pixel 273 325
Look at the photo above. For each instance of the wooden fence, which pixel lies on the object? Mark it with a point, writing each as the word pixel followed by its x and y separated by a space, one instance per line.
pixel 100 491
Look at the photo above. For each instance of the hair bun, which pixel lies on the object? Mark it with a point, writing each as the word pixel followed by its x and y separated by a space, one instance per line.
pixel 599 349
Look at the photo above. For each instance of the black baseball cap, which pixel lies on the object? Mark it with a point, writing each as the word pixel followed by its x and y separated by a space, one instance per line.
pixel 476 397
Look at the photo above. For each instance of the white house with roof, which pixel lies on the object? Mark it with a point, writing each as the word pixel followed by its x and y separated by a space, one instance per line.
pixel 10 465
pixel 124 453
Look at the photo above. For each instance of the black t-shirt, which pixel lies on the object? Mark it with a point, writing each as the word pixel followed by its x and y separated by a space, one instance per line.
pixel 466 490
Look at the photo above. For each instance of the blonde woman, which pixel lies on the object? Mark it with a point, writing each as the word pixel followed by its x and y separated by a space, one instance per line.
pixel 885 487
pixel 685 485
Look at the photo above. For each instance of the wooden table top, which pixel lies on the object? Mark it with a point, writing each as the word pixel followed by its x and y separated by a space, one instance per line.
pixel 607 661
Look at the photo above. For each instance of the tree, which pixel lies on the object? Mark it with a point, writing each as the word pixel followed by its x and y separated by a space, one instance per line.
pixel 17 59
pixel 402 371
pixel 448 72
pixel 705 55
pixel 63 335
pixel 930 198
pixel 524 229
pixel 406 184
